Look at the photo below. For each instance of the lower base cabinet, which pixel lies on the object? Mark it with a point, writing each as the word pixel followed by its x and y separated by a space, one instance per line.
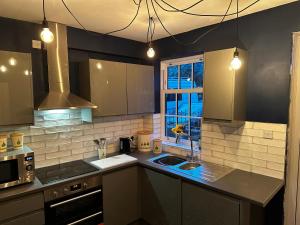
pixel 121 196
pixel 161 198
pixel 25 210
pixel 200 206
pixel 36 218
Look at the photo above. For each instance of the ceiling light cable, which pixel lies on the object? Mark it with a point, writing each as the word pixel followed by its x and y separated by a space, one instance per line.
pixel 73 15
pixel 201 15
pixel 136 14
pixel 198 38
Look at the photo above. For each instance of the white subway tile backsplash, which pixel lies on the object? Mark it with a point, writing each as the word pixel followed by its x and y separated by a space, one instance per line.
pixel 252 146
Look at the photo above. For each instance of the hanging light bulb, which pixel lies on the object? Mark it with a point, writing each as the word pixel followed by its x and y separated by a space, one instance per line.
pixel 150 52
pixel 46 34
pixel 236 63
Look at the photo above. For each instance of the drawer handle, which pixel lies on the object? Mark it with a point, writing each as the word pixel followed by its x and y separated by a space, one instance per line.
pixel 75 198
pixel 85 218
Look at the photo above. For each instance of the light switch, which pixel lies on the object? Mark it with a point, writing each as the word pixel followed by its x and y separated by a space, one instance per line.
pixel 268 134
pixel 36 44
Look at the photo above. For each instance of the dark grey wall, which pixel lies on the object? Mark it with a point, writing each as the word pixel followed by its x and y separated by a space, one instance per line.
pixel 267 36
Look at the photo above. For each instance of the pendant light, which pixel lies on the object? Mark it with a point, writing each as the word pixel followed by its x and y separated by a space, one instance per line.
pixel 46 34
pixel 151 28
pixel 236 63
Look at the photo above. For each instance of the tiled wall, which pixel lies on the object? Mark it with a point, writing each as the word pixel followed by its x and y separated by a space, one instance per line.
pixel 255 147
pixel 250 146
pixel 62 136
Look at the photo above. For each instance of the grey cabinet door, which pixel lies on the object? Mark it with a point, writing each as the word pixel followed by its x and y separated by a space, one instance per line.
pixel 121 198
pixel 161 198
pixel 140 88
pixel 35 218
pixel 108 87
pixel 200 206
pixel 218 85
pixel 16 97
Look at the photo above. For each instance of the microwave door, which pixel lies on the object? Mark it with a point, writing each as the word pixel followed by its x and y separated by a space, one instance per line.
pixel 10 171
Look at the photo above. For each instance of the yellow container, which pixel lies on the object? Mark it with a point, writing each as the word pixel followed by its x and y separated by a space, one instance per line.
pixel 144 138
pixel 17 140
pixel 157 146
pixel 3 143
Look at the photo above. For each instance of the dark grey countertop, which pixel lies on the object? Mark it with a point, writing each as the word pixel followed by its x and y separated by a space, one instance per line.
pixel 255 188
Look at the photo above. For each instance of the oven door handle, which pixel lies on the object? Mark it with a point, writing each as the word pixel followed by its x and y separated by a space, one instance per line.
pixel 85 218
pixel 75 198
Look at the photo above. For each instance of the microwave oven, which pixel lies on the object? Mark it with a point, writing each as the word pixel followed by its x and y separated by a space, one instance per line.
pixel 16 167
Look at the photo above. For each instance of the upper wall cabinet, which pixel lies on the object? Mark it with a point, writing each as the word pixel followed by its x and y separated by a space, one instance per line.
pixel 140 88
pixel 117 88
pixel 16 97
pixel 224 88
pixel 104 84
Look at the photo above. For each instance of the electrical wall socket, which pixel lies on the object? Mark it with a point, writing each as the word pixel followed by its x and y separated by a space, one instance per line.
pixel 268 134
pixel 36 44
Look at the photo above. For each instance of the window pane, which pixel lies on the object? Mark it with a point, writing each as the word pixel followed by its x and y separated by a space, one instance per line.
pixel 170 122
pixel 173 77
pixel 198 74
pixel 185 122
pixel 170 104
pixel 185 76
pixel 195 128
pixel 183 104
pixel 196 104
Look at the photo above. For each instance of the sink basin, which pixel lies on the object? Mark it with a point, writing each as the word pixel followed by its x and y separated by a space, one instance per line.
pixel 189 166
pixel 169 160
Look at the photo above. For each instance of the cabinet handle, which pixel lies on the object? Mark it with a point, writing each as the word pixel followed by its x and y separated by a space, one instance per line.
pixel 75 198
pixel 85 218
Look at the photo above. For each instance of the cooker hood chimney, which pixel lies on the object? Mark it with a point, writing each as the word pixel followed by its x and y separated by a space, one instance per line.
pixel 59 96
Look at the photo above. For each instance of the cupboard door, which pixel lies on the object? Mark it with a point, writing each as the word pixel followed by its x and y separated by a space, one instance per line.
pixel 108 87
pixel 161 198
pixel 200 206
pixel 121 198
pixel 140 88
pixel 218 85
pixel 16 96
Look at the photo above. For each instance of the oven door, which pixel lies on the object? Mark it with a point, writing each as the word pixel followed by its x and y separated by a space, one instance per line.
pixel 10 172
pixel 81 208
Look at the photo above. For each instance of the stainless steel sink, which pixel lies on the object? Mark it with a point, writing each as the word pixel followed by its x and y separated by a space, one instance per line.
pixel 189 166
pixel 169 160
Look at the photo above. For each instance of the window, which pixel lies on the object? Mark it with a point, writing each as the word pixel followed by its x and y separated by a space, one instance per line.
pixel 182 96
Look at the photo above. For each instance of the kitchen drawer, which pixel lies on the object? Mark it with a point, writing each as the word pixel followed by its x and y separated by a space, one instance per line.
pixel 20 206
pixel 36 218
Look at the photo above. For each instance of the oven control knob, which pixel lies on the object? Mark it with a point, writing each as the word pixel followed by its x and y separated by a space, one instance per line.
pixel 85 185
pixel 55 194
pixel 29 167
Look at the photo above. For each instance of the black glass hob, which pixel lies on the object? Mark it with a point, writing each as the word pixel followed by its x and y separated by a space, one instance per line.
pixel 56 173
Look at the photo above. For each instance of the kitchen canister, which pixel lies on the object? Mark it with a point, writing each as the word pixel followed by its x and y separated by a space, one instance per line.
pixel 3 143
pixel 144 141
pixel 157 146
pixel 17 140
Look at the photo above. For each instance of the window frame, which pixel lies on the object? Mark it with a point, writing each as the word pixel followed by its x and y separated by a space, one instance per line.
pixel 164 90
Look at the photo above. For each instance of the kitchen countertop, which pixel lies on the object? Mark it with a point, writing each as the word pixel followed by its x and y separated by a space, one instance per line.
pixel 255 188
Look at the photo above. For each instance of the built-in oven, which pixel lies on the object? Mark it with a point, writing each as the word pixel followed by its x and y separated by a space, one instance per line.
pixel 16 167
pixel 78 202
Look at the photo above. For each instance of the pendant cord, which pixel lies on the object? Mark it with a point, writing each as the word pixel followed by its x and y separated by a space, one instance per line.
pixel 44 13
pixel 237 22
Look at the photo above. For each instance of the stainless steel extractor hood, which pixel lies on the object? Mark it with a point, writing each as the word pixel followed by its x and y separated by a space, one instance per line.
pixel 59 96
